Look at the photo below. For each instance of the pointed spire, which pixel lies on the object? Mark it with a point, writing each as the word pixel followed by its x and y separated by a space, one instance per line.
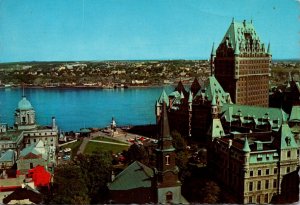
pixel 213 50
pixel 269 49
pixel 163 98
pixel 165 129
pixel 232 20
pixel 246 147
pixel 236 50
pixel 190 97
pixel 181 95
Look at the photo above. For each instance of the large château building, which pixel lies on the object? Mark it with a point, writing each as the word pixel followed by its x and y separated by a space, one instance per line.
pixel 241 64
pixel 252 149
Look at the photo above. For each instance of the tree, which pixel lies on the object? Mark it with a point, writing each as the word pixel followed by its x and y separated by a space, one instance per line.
pixel 69 186
pixel 96 170
pixel 137 152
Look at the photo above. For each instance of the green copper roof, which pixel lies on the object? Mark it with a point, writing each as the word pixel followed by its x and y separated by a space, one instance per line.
pixel 255 112
pixel 295 114
pixel 287 139
pixel 242 37
pixel 175 94
pixel 136 175
pixel 214 102
pixel 190 97
pixel 24 104
pixel 216 130
pixel 246 147
pixel 163 98
pixel 213 87
pixel 8 156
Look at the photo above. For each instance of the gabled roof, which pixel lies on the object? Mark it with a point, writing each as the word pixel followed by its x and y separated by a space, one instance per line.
pixel 36 149
pixel 136 175
pixel 195 87
pixel 216 130
pixel 8 156
pixel 286 138
pixel 180 88
pixel 295 114
pixel 24 193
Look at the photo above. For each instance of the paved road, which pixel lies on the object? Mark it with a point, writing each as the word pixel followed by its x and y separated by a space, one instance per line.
pixel 105 142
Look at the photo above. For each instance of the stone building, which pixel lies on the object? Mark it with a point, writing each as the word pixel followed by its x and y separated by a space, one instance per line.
pixel 241 64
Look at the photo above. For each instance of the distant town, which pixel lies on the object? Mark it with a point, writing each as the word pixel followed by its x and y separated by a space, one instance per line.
pixel 121 74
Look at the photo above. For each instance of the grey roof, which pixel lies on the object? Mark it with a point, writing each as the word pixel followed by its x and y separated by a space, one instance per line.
pixel 136 175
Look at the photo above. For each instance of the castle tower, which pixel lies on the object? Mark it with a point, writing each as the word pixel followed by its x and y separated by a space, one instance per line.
pixel 190 110
pixel 24 115
pixel 242 65
pixel 168 184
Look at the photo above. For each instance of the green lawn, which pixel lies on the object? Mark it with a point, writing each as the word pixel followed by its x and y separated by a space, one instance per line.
pixel 107 139
pixel 74 146
pixel 96 146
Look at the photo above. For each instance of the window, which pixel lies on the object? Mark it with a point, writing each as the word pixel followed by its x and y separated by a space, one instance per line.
pixel 288 154
pixel 169 196
pixel 266 198
pixel 167 159
pixel 250 186
pixel 251 173
pixel 274 183
pixel 250 199
pixel 275 170
pixel 259 172
pixel 258 185
pixel 267 172
pixel 31 165
pixel 258 199
pixel 34 140
pixel 267 184
pixel 288 170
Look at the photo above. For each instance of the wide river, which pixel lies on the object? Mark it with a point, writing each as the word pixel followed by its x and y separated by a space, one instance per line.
pixel 79 108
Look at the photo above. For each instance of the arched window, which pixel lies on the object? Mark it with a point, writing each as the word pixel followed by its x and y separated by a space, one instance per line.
pixel 169 196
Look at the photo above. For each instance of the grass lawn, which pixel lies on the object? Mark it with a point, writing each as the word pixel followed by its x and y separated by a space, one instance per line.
pixel 96 146
pixel 106 139
pixel 74 146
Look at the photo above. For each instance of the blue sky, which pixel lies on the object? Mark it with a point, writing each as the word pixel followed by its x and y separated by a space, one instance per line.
pixel 48 30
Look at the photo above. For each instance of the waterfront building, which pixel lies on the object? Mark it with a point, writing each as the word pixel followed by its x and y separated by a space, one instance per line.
pixel 241 64
pixel 139 183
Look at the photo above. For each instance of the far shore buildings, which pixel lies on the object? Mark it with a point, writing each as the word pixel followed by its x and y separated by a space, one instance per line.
pixel 24 147
pixel 253 149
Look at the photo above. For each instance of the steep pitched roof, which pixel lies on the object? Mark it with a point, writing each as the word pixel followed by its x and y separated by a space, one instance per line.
pixel 286 138
pixel 216 130
pixel 246 147
pixel 195 87
pixel 163 98
pixel 240 34
pixel 213 87
pixel 136 175
pixel 180 88
pixel 36 149
pixel 295 114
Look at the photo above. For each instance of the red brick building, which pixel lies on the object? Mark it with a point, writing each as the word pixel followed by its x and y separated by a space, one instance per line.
pixel 241 64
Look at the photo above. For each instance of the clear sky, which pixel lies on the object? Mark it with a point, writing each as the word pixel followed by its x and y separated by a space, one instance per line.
pixel 49 30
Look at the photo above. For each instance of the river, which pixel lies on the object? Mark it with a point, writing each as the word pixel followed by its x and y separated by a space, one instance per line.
pixel 77 108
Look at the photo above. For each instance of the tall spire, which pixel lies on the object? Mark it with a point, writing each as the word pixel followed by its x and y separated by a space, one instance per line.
pixel 190 97
pixel 269 49
pixel 213 50
pixel 164 125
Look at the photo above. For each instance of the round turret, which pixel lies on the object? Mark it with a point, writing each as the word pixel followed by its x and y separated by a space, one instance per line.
pixel 24 104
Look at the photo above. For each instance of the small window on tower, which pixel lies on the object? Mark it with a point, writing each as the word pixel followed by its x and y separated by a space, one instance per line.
pixel 167 159
pixel 169 196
